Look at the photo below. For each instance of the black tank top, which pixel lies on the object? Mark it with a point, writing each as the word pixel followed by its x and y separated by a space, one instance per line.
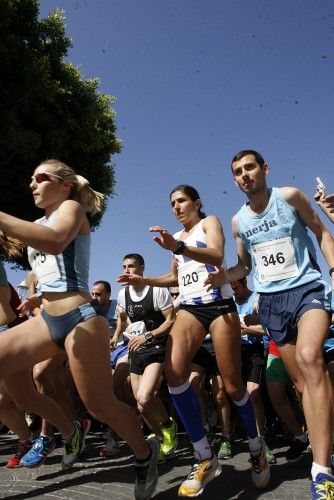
pixel 144 311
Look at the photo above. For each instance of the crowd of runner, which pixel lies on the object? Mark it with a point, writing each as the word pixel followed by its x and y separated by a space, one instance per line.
pixel 196 348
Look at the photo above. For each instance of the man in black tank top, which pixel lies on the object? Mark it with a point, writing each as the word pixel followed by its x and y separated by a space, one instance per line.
pixel 149 313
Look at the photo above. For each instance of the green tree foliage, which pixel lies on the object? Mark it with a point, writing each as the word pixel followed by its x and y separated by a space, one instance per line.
pixel 46 109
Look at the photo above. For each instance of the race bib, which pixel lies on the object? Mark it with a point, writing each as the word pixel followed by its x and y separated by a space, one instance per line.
pixel 44 266
pixel 191 278
pixel 275 260
pixel 134 329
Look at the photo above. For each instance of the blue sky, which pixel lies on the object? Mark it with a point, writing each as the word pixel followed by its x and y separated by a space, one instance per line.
pixel 196 81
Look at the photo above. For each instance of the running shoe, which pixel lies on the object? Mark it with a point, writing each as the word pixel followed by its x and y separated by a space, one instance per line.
pixel 225 449
pixel 22 448
pixel 322 488
pixel 296 450
pixel 169 441
pixel 85 424
pixel 202 473
pixel 111 448
pixel 108 433
pixel 162 457
pixel 147 473
pixel 260 468
pixel 271 459
pixel 72 447
pixel 40 449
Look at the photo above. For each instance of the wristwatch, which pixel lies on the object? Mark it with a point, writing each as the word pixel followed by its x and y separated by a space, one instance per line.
pixel 149 337
pixel 181 247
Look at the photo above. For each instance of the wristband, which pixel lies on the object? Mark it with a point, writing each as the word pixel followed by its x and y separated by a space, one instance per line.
pixel 181 247
pixel 149 337
pixel 331 271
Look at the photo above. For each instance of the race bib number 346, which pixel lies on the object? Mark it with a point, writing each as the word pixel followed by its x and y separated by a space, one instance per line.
pixel 275 260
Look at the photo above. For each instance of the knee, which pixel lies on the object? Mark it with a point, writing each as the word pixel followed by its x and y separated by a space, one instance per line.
pixel 233 390
pixel 143 399
pixel 40 376
pixel 310 360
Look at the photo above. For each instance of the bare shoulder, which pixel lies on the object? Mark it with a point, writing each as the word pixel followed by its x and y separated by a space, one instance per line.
pixel 211 220
pixel 293 195
pixel 70 205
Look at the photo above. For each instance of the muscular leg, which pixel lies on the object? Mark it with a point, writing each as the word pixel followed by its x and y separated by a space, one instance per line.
pixel 185 339
pixel 225 333
pixel 150 406
pixel 223 406
pixel 196 377
pixel 305 364
pixel 12 417
pixel 22 390
pixel 87 348
pixel 280 402
pixel 254 391
pixel 49 377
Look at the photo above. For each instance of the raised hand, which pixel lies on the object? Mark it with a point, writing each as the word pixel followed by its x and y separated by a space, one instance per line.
pixel 165 239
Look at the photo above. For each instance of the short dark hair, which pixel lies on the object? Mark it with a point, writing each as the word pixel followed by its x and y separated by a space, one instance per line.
pixel 258 157
pixel 135 256
pixel 106 285
pixel 192 193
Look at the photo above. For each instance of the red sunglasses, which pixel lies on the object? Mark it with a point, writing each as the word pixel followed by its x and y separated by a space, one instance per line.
pixel 44 176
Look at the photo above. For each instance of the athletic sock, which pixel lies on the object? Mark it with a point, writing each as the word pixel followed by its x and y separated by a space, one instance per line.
pixel 143 461
pixel 188 409
pixel 68 438
pixel 316 469
pixel 202 449
pixel 247 415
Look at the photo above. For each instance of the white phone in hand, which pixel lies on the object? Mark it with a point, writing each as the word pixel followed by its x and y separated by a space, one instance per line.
pixel 320 186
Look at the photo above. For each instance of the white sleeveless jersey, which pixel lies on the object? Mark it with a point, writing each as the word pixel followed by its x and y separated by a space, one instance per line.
pixel 192 274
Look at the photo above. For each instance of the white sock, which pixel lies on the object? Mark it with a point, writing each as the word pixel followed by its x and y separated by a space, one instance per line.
pixel 316 469
pixel 255 444
pixel 202 449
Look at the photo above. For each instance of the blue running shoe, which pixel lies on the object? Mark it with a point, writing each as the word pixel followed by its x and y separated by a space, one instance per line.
pixel 322 488
pixel 36 456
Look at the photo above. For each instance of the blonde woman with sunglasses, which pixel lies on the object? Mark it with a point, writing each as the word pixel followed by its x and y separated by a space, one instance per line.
pixel 58 251
pixel 18 392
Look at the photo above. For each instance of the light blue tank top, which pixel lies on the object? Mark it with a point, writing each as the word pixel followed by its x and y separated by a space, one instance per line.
pixel 65 272
pixel 283 254
pixel 111 316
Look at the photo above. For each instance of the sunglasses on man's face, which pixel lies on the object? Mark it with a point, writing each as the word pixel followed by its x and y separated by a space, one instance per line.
pixel 44 176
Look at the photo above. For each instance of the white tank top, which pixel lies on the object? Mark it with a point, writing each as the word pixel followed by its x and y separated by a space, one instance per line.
pixel 192 274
